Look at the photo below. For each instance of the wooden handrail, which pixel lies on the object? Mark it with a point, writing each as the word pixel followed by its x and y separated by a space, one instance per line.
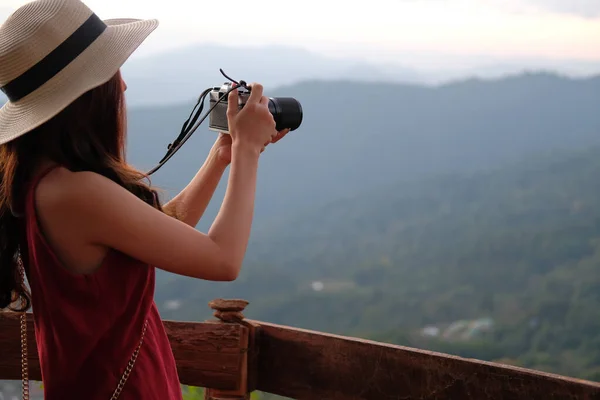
pixel 303 364
pixel 233 356
pixel 207 354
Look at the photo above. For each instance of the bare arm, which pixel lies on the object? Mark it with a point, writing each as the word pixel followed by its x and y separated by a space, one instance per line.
pixel 191 203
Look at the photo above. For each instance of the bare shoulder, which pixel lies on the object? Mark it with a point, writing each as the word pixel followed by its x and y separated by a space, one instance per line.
pixel 67 211
pixel 88 201
pixel 94 212
pixel 62 189
pixel 83 194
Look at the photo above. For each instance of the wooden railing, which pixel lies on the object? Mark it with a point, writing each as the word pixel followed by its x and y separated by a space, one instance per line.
pixel 233 356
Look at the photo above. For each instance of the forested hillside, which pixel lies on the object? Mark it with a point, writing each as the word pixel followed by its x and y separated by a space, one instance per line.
pixel 359 136
pixel 519 245
pixel 397 208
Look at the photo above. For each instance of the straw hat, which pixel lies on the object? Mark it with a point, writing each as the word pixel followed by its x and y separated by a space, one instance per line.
pixel 52 52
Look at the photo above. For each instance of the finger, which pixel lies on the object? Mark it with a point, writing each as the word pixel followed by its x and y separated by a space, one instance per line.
pixel 280 135
pixel 256 93
pixel 224 138
pixel 232 104
pixel 270 141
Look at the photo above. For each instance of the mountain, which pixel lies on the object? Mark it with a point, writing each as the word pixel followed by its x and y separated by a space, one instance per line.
pixel 181 74
pixel 495 68
pixel 518 246
pixel 358 136
pixel 399 207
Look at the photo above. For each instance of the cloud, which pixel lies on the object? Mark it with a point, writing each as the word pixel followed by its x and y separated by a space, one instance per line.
pixel 5 12
pixel 584 8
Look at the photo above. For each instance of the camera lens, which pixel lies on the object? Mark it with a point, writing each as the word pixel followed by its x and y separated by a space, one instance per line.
pixel 286 111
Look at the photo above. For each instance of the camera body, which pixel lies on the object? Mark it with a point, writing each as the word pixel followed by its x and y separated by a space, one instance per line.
pixel 286 111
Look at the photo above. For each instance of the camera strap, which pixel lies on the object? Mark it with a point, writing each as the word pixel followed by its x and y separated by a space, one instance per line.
pixel 192 123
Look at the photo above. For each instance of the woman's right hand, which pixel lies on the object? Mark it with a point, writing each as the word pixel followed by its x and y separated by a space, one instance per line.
pixel 253 126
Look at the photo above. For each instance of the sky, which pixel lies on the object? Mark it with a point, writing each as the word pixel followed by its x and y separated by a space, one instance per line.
pixel 382 29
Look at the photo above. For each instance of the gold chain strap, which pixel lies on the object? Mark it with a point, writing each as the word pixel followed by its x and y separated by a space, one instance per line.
pixel 24 355
pixel 130 365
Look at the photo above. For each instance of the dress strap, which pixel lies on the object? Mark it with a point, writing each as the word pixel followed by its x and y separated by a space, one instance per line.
pixel 30 198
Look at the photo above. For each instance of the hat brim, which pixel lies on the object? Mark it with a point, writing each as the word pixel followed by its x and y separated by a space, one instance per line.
pixel 94 67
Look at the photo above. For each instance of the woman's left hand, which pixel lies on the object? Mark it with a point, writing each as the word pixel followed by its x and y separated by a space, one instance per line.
pixel 222 147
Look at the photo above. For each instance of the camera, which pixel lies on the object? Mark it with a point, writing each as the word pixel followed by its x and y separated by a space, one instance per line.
pixel 286 111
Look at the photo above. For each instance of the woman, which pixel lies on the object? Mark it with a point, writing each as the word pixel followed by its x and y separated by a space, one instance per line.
pixel 87 228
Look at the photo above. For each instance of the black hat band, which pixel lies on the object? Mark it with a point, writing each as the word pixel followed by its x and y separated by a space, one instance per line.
pixel 56 61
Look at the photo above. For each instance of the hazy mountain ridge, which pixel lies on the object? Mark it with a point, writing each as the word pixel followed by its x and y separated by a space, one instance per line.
pixel 519 245
pixel 181 74
pixel 358 136
pixel 178 75
pixel 419 209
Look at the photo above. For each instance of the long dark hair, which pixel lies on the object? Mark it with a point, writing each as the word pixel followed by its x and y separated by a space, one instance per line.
pixel 88 135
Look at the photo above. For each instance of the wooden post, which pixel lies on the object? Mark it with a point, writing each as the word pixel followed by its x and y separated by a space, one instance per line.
pixel 231 312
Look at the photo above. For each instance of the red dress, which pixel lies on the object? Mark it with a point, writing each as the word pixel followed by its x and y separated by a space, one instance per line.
pixel 87 326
